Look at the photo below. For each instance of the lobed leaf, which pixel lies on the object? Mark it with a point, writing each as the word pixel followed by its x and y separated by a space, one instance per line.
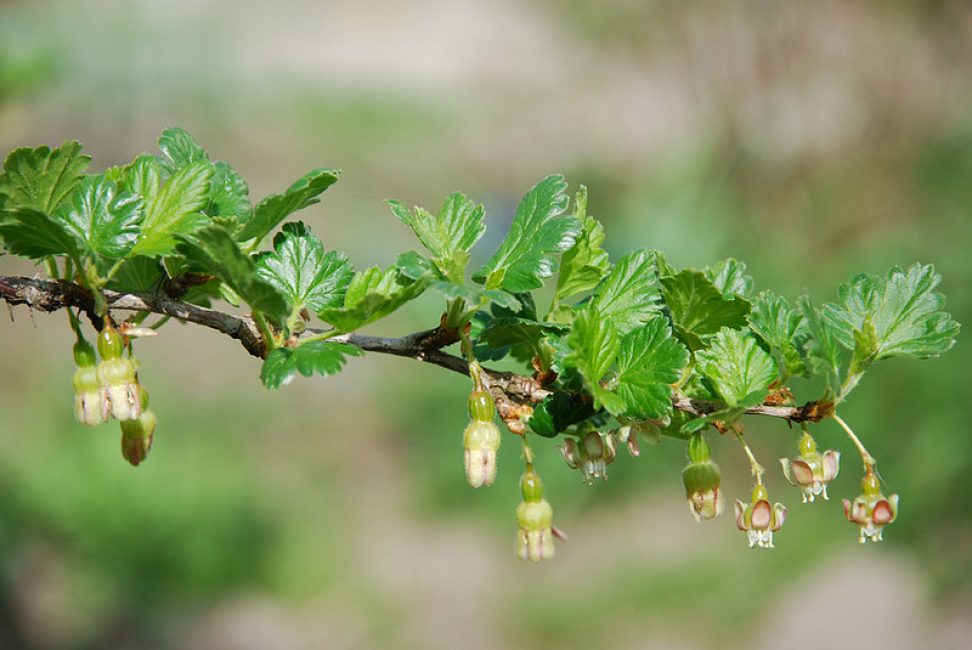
pixel 585 264
pixel 595 343
pixel 229 195
pixel 275 208
pixel 104 220
pixel 174 209
pixel 824 354
pixel 778 325
pixel 42 179
pixel 449 235
pixel 730 277
pixel 699 308
pixel 650 360
pixel 303 272
pixel 906 313
pixel 179 150
pixel 740 371
pixel 630 294
pixel 539 231
pixel 317 357
pixel 36 235
pixel 216 248
pixel 372 295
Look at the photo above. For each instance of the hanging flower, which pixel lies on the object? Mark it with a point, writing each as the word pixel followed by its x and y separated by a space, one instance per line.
pixel 811 470
pixel 117 374
pixel 89 407
pixel 481 440
pixel 702 480
pixel 759 519
pixel 592 456
pixel 534 518
pixel 871 511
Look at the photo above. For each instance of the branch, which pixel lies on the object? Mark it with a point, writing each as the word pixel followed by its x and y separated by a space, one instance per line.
pixel 514 394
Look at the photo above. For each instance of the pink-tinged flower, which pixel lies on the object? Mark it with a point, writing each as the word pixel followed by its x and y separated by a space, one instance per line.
pixel 760 519
pixel 591 456
pixel 534 518
pixel 702 481
pixel 811 470
pixel 871 511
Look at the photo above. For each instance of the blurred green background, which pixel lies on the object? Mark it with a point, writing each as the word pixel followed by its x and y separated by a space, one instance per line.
pixel 812 140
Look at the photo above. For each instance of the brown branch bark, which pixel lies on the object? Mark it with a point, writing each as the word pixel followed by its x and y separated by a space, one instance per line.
pixel 515 394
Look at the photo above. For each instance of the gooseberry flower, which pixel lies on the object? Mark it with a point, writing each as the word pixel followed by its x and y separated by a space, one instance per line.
pixel 592 456
pixel 89 407
pixel 534 518
pixel 117 375
pixel 811 470
pixel 138 434
pixel 702 479
pixel 481 440
pixel 759 519
pixel 871 511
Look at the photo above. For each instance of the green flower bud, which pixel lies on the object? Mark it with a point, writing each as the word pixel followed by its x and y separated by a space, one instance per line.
pixel 531 487
pixel 137 437
pixel 481 406
pixel 481 441
pixel 84 354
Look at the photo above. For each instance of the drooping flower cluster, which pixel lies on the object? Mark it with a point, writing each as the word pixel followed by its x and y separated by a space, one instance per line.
pixel 110 389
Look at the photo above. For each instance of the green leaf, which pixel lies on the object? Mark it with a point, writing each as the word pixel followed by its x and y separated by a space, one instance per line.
pixel 649 362
pixel 778 325
pixel 730 277
pixel 418 267
pixel 216 248
pixel 36 235
pixel 539 231
pixel 698 307
pixel 137 274
pixel 595 344
pixel 824 354
pixel 41 179
pixel 584 265
pixel 303 272
pixel 104 220
pixel 143 176
pixel 449 235
pixel 275 208
pixel 558 412
pixel 320 357
pixel 630 294
pixel 523 337
pixel 179 150
pixel 229 195
pixel 372 295
pixel 174 209
pixel 906 313
pixel 740 370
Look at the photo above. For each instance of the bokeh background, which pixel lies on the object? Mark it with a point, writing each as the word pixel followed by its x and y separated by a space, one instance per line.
pixel 812 140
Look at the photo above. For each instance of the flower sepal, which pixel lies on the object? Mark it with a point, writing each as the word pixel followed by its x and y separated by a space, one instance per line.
pixel 811 470
pixel 871 511
pixel 759 519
